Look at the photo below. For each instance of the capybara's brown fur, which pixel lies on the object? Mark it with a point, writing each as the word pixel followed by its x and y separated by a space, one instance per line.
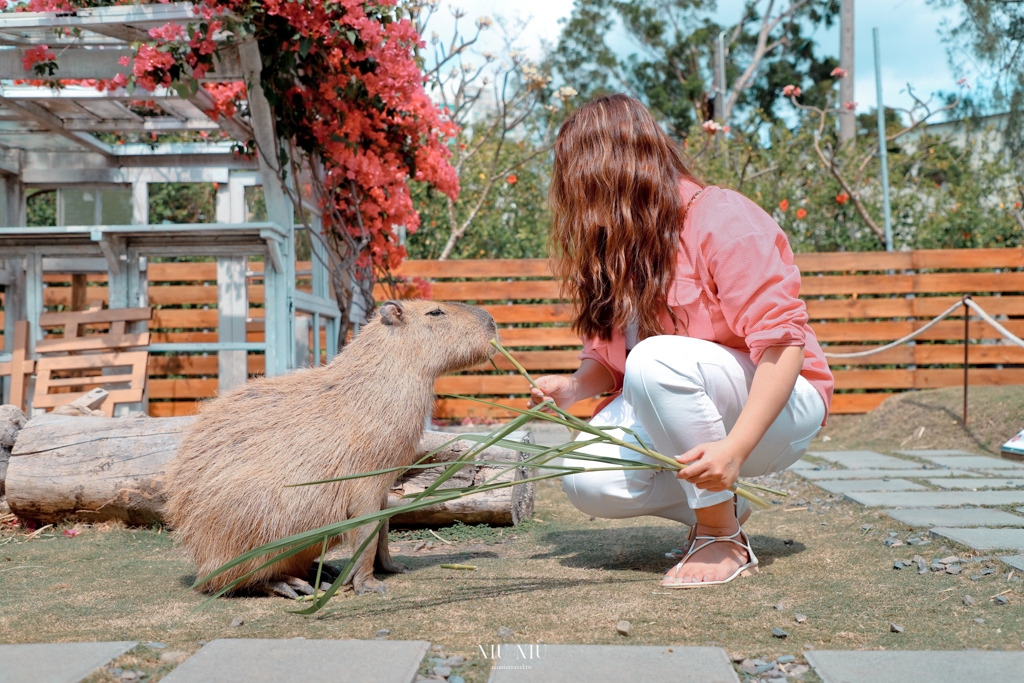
pixel 362 412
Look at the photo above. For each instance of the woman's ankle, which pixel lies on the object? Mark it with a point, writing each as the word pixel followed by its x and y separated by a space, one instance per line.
pixel 720 518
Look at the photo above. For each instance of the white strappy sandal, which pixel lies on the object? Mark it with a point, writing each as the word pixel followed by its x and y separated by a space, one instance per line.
pixel 699 543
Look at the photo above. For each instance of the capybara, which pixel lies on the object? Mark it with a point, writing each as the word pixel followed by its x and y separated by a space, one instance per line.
pixel 363 411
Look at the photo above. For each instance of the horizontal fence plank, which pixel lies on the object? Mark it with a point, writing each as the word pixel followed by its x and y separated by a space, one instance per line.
pixel 172 408
pixel 848 404
pixel 938 259
pixel 452 408
pixel 182 388
pixel 180 364
pixel 479 268
pixel 902 307
pixel 890 331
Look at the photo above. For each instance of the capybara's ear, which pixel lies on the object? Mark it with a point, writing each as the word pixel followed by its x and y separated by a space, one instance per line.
pixel 392 313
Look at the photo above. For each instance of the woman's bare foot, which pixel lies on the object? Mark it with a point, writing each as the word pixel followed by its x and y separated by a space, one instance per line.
pixel 714 562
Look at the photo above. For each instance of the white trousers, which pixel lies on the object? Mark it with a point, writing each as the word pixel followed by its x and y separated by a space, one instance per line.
pixel 678 393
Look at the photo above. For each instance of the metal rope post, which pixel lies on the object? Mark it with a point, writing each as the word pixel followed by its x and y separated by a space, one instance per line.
pixel 967 345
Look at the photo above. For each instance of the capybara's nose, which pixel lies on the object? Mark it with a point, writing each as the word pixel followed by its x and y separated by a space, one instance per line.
pixel 486 318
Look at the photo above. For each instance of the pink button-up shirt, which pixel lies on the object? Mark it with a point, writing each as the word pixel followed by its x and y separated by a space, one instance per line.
pixel 735 285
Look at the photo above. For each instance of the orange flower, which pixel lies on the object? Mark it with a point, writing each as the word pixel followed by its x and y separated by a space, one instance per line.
pixel 842 198
pixel 784 205
pixel 512 179
pixel 801 213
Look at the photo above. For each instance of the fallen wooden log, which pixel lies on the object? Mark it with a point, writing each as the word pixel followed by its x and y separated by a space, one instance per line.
pixel 11 422
pixel 503 507
pixel 97 469
pixel 92 469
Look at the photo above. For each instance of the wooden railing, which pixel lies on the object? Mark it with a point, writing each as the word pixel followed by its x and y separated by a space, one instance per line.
pixel 855 301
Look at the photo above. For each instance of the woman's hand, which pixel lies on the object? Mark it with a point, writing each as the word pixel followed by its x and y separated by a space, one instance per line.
pixel 713 466
pixel 558 388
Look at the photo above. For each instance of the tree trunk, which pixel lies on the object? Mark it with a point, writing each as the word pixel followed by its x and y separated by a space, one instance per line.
pixel 98 469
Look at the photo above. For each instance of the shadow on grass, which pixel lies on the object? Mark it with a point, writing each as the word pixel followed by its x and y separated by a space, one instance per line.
pixel 638 548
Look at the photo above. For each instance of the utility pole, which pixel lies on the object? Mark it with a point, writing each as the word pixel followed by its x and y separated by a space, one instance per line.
pixel 719 78
pixel 847 117
pixel 883 152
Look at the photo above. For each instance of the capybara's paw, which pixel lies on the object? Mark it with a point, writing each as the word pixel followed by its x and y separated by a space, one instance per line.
pixel 328 574
pixel 391 568
pixel 370 586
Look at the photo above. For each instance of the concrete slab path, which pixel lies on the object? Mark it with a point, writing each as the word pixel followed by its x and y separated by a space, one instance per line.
pixel 815 475
pixel 256 660
pixel 848 485
pixel 932 499
pixel 984 538
pixel 862 460
pixel 56 662
pixel 612 664
pixel 972 462
pixel 925 666
pixel 955 517
pixel 977 483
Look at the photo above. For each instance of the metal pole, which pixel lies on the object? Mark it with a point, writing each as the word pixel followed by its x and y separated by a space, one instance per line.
pixel 967 346
pixel 882 151
pixel 847 118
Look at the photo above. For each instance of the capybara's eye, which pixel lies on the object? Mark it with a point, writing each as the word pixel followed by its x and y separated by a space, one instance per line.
pixel 436 311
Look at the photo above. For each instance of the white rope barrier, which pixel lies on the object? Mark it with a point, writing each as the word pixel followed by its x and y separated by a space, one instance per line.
pixel 935 321
pixel 992 321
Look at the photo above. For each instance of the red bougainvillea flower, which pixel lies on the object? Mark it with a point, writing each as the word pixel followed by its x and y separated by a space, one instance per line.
pixel 784 205
pixel 850 106
pixel 791 91
pixel 34 55
pixel 842 198
pixel 838 72
pixel 512 179
pixel 801 213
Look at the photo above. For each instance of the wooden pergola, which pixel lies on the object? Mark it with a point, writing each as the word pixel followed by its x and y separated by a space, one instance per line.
pixel 48 140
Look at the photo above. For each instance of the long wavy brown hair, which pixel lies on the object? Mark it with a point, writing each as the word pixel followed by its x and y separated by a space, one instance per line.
pixel 616 216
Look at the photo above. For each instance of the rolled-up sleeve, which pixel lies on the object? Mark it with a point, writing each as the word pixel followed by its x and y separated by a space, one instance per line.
pixel 756 282
pixel 601 351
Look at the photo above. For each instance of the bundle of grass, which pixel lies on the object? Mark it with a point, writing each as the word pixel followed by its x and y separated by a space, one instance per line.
pixel 546 460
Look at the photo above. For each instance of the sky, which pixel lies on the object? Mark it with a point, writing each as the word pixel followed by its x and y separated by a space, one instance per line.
pixel 911 48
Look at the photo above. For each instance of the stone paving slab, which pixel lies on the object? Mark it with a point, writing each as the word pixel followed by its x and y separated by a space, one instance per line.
pixel 848 485
pixel 977 483
pixel 815 475
pixel 254 660
pixel 802 465
pixel 909 665
pixel 1015 561
pixel 955 517
pixel 973 462
pixel 56 662
pixel 862 460
pixel 612 663
pixel 935 499
pixel 927 453
pixel 983 538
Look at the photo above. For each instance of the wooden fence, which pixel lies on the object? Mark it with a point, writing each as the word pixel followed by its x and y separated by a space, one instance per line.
pixel 855 301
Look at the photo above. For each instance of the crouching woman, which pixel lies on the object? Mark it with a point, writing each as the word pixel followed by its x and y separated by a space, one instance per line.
pixel 687 301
